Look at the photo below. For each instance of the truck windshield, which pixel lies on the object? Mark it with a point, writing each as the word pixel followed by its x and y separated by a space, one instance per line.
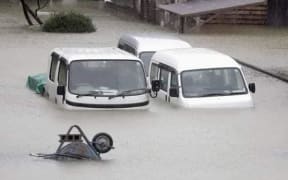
pixel 109 77
pixel 146 58
pixel 212 82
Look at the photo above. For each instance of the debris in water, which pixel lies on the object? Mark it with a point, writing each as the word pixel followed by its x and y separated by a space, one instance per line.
pixel 72 146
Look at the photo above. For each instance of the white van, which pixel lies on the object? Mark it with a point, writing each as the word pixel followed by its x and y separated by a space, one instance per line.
pixel 96 78
pixel 200 78
pixel 144 46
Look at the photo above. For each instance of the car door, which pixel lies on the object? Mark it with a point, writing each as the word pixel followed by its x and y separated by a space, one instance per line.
pixel 153 72
pixel 164 78
pixel 51 86
pixel 61 80
pixel 163 73
pixel 174 84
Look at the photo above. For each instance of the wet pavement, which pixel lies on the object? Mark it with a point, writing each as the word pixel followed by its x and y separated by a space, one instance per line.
pixel 164 142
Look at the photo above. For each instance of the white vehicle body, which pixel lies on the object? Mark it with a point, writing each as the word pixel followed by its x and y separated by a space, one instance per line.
pixel 200 78
pixel 144 46
pixel 94 78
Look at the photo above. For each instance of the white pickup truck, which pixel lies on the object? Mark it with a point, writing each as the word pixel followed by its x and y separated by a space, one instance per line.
pixel 97 78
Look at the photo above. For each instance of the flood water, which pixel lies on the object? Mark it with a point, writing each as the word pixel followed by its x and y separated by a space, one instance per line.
pixel 163 142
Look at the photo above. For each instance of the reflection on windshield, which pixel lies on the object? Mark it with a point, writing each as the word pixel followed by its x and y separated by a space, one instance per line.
pixel 106 76
pixel 146 58
pixel 212 82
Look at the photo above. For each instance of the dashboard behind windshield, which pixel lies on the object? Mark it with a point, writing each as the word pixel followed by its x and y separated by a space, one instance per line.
pixel 106 76
pixel 212 82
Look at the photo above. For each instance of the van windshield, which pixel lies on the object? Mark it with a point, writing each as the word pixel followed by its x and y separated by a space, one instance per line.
pixel 146 58
pixel 109 77
pixel 212 82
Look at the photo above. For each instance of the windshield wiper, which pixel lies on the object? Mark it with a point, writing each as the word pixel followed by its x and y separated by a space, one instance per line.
pixel 215 94
pixel 91 93
pixel 124 93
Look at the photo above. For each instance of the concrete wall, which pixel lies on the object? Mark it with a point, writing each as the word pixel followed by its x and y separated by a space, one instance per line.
pixel 124 3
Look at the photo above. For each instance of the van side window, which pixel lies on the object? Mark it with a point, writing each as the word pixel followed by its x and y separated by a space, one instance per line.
pixel 62 75
pixel 127 48
pixel 121 46
pixel 174 80
pixel 154 72
pixel 53 66
pixel 164 74
pixel 130 50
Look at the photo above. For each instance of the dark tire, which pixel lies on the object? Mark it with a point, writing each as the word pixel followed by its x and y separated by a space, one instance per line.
pixel 102 142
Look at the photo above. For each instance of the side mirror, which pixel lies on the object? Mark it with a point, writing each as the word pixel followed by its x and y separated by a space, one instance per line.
pixel 252 87
pixel 174 92
pixel 60 90
pixel 155 85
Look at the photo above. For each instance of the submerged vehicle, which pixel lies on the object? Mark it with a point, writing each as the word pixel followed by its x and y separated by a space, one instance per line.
pixel 144 46
pixel 96 78
pixel 200 78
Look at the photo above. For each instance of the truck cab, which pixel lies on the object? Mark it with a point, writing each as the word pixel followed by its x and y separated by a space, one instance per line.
pixel 200 78
pixel 144 46
pixel 96 78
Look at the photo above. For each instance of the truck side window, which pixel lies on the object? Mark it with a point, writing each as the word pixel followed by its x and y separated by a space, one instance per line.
pixel 53 66
pixel 174 80
pixel 164 74
pixel 154 72
pixel 62 75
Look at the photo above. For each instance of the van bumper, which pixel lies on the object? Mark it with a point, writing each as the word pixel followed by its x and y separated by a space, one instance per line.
pixel 74 105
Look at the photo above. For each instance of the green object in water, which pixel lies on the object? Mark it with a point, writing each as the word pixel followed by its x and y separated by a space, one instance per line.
pixel 37 83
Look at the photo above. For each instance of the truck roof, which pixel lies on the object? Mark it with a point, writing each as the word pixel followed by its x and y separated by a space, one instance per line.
pixel 71 54
pixel 194 58
pixel 148 42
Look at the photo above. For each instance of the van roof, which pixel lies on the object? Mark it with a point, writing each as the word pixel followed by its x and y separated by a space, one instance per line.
pixel 194 58
pixel 154 42
pixel 71 54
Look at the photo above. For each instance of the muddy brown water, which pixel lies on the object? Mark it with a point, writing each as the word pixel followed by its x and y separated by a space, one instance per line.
pixel 163 142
